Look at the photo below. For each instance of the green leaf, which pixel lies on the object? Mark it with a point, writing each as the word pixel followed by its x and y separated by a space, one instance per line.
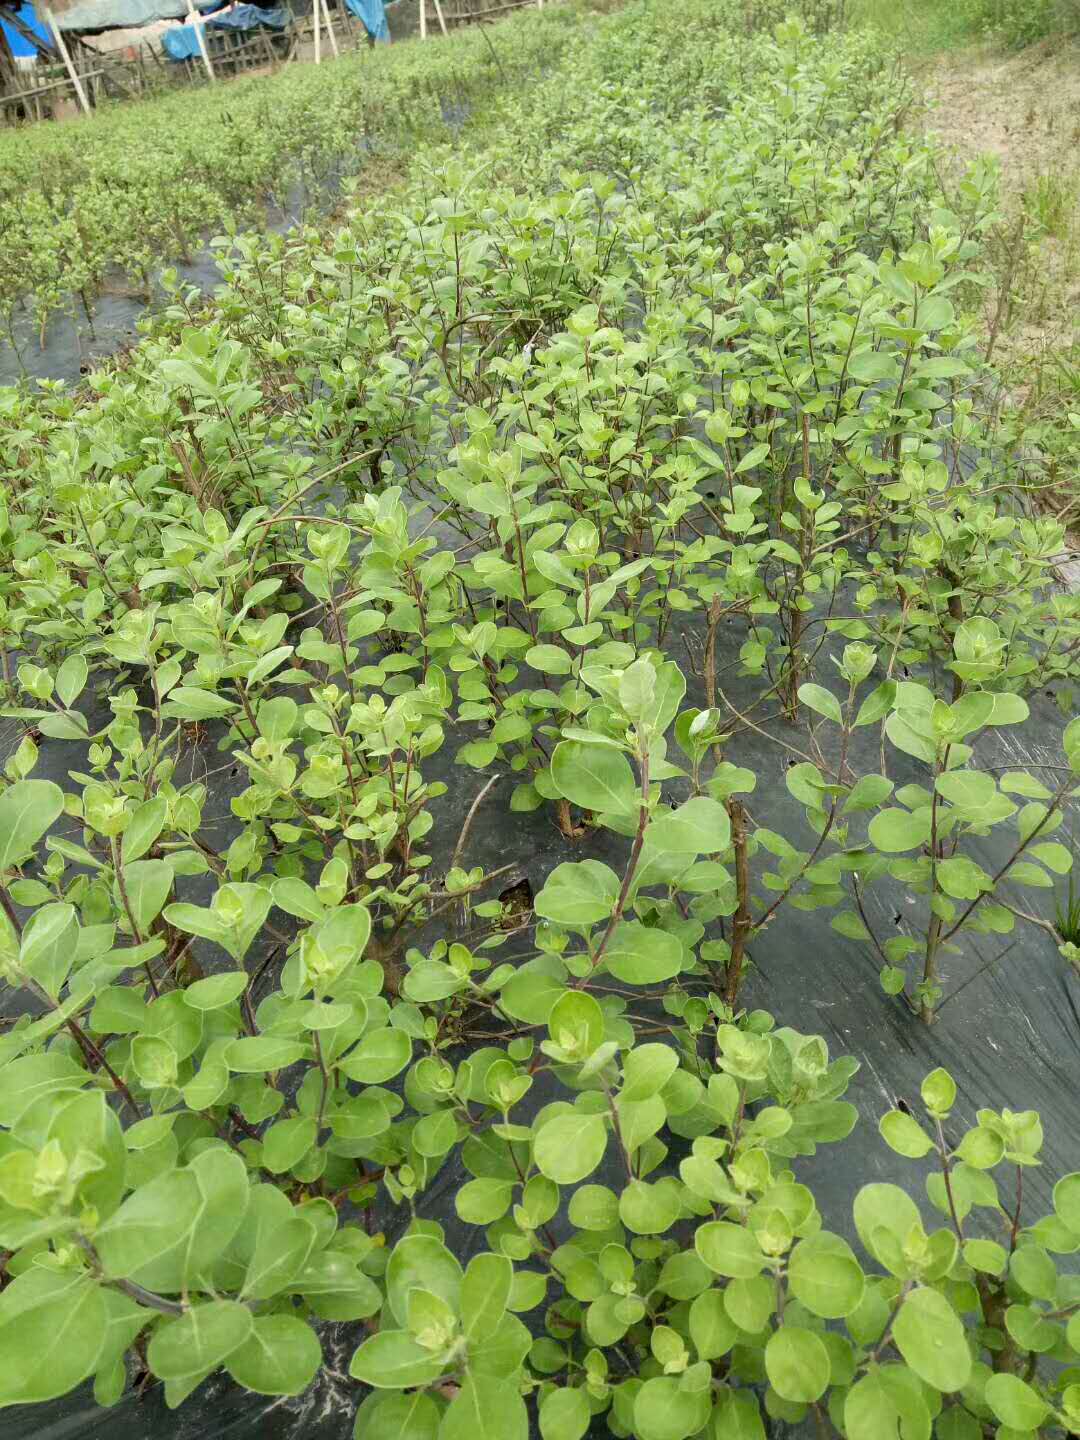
pixel 647 1209
pixel 867 793
pixel 848 924
pixel 27 809
pixel 594 1207
pixel 986 1255
pixel 576 1024
pixel 816 697
pixel 1070 743
pixel 961 878
pixel 939 1092
pixel 981 1148
pixel 144 827
pixel 485 1408
pixel 641 955
pixel 1067 1201
pixel 871 367
pixel 88 1132
pixel 216 991
pixel 277 718
pixel 594 777
pixel 699 827
pixel 1054 856
pixel 481 1201
pixel 147 1228
pixel 578 894
pixel 889 1402
pixel 1034 1271
pixel 570 1146
pixel 646 1070
pixel 485 1290
pixel 200 1340
pixel 888 1208
pixel 930 1336
pixel 190 704
pixel 71 680
pixel 905 1135
pixel 392 1360
pixel 1015 1403
pixel 380 1056
pixel 169 1232
pixel 892 831
pixel 30 1078
pixel 287 1142
pixel 738 1417
pixel 664 1410
pixel 296 897
pixel 712 1329
pixel 149 884
pixel 549 659
pixel 52 1329
pixel 49 942
pixel 825 1276
pixel 435 1135
pixel 564 1414
pixel 333 1285
pixel 385 1416
pixel 729 1249
pixel 422 1262
pixel 280 1357
pixel 877 704
pixel 252 1054
pixel 797 1364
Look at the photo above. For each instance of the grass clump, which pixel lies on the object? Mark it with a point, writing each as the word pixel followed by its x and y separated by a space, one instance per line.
pixel 931 25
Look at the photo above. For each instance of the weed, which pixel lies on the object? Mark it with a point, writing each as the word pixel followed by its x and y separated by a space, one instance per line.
pixel 1067 916
pixel 1051 201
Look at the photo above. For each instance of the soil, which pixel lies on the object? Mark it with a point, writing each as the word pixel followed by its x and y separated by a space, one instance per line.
pixel 1024 111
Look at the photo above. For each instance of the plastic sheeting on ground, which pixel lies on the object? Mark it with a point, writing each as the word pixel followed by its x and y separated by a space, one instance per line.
pixel 372 15
pixel 182 43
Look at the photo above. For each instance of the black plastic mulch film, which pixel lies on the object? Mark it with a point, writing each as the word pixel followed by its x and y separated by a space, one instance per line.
pixel 1012 1040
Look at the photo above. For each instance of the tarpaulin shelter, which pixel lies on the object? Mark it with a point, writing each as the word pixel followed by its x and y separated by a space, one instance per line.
pixel 372 15
pixel 16 21
pixel 92 15
pixel 182 42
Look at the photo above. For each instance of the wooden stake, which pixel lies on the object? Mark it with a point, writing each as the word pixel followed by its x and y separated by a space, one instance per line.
pixel 330 28
pixel 194 18
pixel 73 74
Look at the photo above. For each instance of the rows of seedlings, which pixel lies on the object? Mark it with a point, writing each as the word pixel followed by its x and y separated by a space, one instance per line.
pixel 90 212
pixel 512 707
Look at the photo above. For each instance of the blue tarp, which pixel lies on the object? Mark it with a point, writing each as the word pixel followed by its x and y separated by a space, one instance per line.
pixel 372 15
pixel 182 43
pixel 21 48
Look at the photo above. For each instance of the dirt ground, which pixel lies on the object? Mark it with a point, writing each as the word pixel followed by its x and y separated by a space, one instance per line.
pixel 1024 110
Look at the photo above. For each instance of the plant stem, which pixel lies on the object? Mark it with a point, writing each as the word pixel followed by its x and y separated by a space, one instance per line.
pixel 628 877
pixel 743 921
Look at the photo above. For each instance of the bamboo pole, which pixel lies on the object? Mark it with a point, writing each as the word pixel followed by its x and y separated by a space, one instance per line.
pixel 194 18
pixel 438 12
pixel 330 28
pixel 315 15
pixel 423 19
pixel 73 74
